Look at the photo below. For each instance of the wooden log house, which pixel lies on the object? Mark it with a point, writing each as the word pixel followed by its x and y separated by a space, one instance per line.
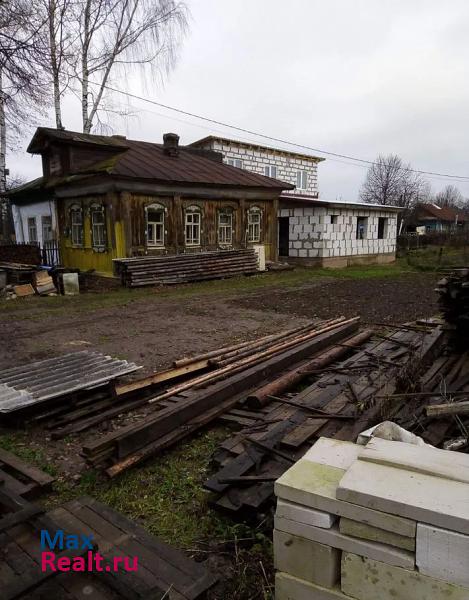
pixel 115 198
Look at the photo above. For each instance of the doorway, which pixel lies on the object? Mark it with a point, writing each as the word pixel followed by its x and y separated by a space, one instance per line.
pixel 283 235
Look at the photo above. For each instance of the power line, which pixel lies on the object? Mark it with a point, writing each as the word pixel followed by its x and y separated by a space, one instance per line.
pixel 364 162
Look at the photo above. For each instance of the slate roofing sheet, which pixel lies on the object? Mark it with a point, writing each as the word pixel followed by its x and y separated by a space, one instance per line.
pixel 36 382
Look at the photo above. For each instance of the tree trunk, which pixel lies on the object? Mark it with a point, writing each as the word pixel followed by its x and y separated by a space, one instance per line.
pixel 54 64
pixel 85 71
pixel 3 141
pixel 3 149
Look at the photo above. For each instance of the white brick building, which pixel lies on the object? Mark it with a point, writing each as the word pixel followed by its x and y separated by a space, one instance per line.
pixel 336 234
pixel 312 231
pixel 300 170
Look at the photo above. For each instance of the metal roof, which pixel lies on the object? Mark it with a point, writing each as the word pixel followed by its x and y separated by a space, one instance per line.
pixel 303 199
pixel 135 159
pixel 215 138
pixel 45 379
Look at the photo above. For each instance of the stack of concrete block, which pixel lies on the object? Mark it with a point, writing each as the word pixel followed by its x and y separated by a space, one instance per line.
pixel 385 521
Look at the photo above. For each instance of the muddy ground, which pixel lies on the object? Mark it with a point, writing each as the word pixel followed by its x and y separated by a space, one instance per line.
pixel 153 328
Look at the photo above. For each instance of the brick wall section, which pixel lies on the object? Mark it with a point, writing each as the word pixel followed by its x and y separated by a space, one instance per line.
pixel 312 235
pixel 256 159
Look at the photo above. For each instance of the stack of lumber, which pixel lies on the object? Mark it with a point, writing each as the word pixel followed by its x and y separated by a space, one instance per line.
pixel 230 374
pixel 157 570
pixel 78 412
pixel 346 398
pixel 453 292
pixel 184 268
pixel 387 520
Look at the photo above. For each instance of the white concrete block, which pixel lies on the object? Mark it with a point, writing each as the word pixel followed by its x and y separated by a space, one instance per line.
pixel 307 560
pixel 332 537
pixel 288 587
pixel 443 554
pixel 302 253
pixel 334 453
pixel 315 485
pixel 424 498
pixel 421 459
pixel 374 534
pixel 303 514
pixel 366 579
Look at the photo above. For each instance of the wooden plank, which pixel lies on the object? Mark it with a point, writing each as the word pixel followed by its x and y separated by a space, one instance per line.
pixel 169 566
pixel 39 477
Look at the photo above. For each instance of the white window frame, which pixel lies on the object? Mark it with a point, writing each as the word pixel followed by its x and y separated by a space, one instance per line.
pixel 235 162
pixel 154 240
pixel 46 228
pixel 270 171
pixel 76 225
pixel 301 179
pixel 32 230
pixel 254 224
pixel 98 228
pixel 225 230
pixel 192 226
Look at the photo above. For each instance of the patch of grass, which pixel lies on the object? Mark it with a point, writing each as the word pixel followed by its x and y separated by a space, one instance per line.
pixel 166 497
pixel 434 258
pixel 33 307
pixel 18 444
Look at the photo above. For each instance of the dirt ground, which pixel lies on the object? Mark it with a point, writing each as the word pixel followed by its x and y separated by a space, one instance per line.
pixel 153 328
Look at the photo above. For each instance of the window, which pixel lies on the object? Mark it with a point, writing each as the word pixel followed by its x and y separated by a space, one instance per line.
pixel 76 225
pixel 254 224
pixel 382 228
pixel 32 230
pixel 302 180
pixel 46 228
pixel 270 171
pixel 334 219
pixel 155 225
pixel 98 227
pixel 225 227
pixel 362 227
pixel 193 219
pixel 235 162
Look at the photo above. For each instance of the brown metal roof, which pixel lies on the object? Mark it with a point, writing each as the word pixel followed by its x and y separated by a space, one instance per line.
pixel 148 161
pixel 441 213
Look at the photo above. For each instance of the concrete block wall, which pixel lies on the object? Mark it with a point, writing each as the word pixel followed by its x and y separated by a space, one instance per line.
pixel 256 159
pixel 314 235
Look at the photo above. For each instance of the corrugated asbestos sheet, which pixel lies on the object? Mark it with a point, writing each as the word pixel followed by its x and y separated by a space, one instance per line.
pixel 38 381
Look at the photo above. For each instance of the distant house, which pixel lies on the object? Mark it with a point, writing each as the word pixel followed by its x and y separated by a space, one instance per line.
pixel 108 197
pixel 431 218
pixel 312 231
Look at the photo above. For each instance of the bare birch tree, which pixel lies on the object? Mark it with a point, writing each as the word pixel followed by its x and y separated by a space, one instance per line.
pixel 117 35
pixel 60 33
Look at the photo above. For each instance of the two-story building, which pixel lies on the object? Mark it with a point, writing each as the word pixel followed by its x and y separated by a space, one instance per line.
pixel 313 231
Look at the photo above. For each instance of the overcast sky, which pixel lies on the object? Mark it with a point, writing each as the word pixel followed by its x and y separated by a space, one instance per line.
pixel 356 77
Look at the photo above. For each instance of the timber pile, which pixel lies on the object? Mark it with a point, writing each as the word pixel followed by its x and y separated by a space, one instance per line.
pixel 453 292
pixel 162 571
pixel 346 398
pixel 227 376
pixel 184 268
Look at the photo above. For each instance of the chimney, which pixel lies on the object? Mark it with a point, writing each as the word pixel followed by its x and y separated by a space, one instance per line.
pixel 171 144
